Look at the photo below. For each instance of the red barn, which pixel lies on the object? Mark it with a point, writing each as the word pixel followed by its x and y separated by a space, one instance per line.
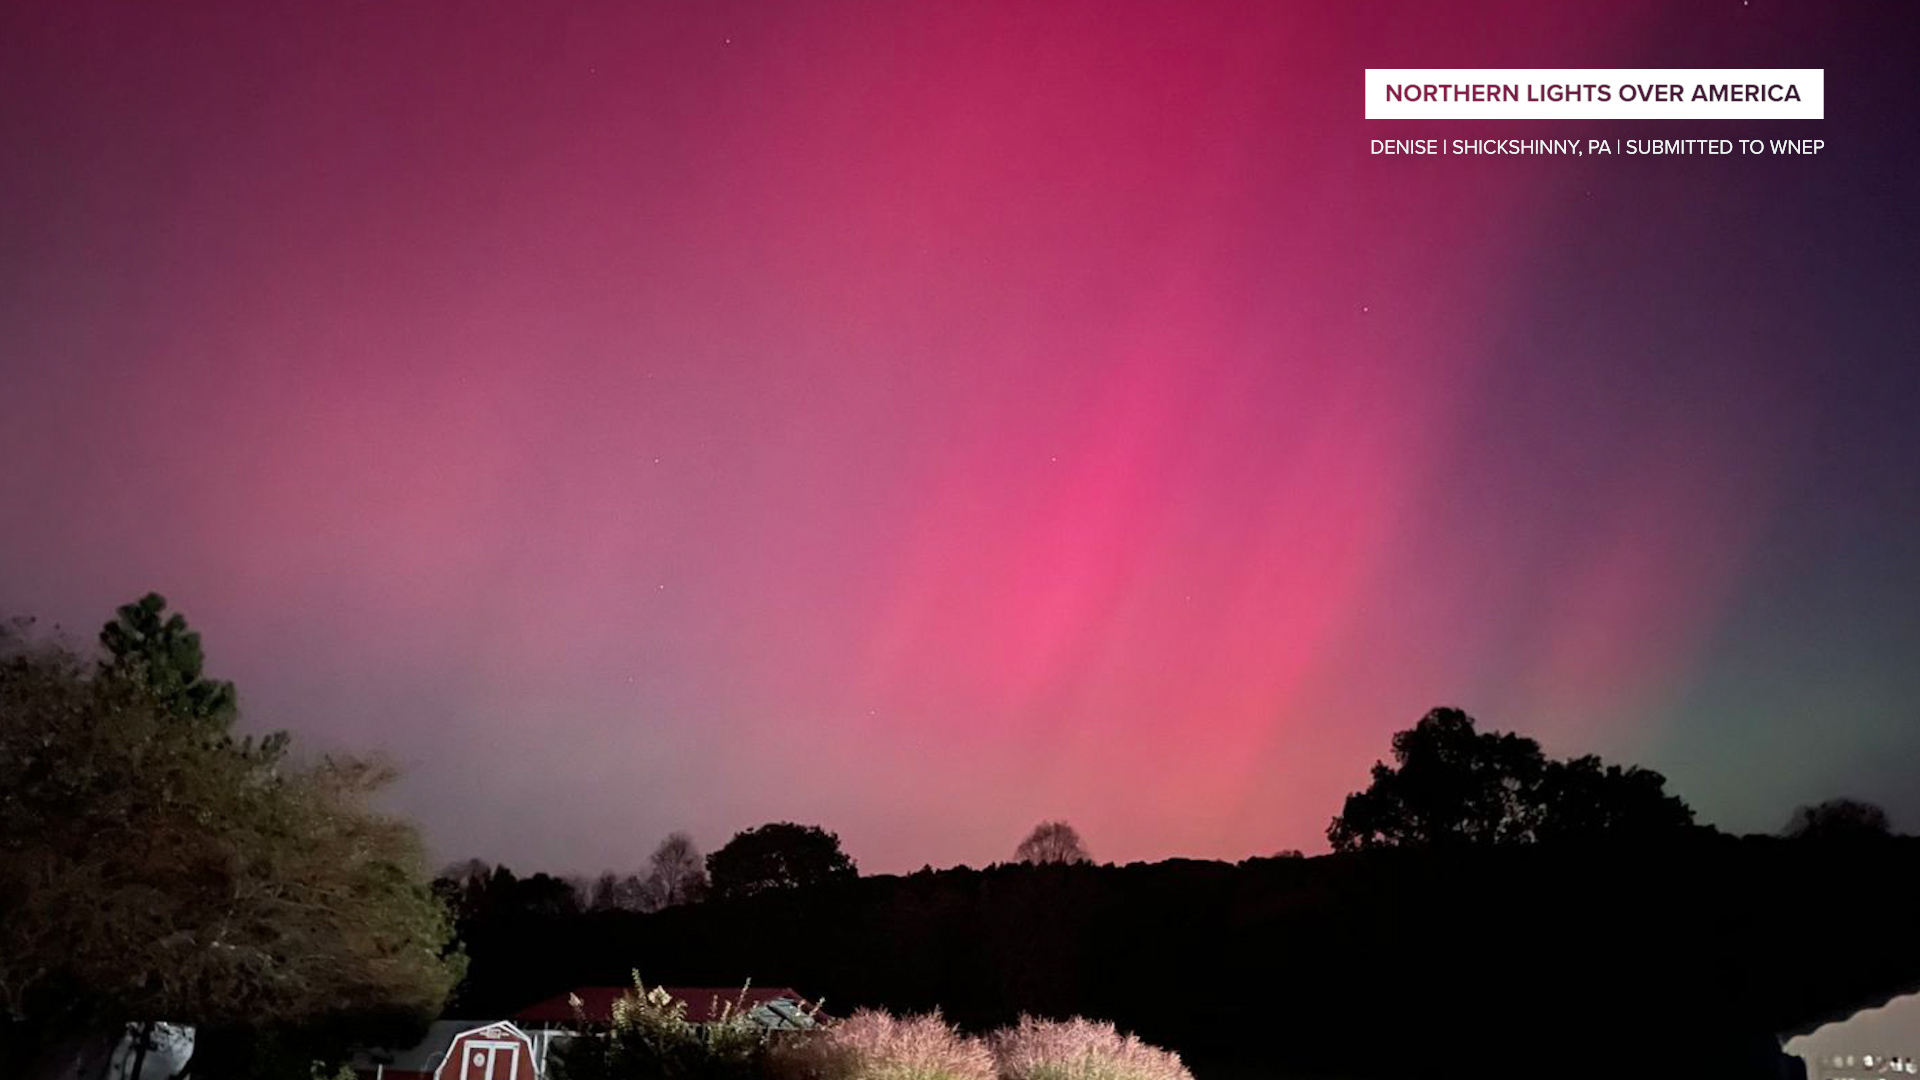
pixel 454 1050
pixel 495 1052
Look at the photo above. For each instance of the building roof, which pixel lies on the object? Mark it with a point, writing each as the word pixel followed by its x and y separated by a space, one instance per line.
pixel 771 1006
pixel 424 1056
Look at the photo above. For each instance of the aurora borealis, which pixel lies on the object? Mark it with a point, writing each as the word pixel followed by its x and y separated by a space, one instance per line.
pixel 925 421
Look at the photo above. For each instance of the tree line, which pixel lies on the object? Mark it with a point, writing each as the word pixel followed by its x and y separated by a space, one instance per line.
pixel 777 855
pixel 157 864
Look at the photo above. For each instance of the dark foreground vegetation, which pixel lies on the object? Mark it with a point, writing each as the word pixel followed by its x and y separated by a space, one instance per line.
pixel 1488 911
pixel 1600 958
pixel 157 865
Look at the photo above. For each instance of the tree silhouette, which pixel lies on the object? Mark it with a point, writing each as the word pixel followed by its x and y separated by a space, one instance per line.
pixel 1451 784
pixel 675 874
pixel 1838 819
pixel 614 892
pixel 156 651
pixel 781 855
pixel 1052 842
pixel 1584 797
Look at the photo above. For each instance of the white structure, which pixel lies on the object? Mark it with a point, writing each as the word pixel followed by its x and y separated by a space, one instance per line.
pixel 1872 1044
pixel 462 1050
pixel 168 1048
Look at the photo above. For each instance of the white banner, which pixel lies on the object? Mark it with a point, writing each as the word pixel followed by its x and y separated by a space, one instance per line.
pixel 1596 93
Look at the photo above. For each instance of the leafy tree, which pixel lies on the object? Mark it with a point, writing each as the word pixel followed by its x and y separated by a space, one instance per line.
pixel 155 650
pixel 482 895
pixel 1052 842
pixel 1583 797
pixel 1451 784
pixel 1839 819
pixel 500 896
pixel 781 855
pixel 675 874
pixel 147 871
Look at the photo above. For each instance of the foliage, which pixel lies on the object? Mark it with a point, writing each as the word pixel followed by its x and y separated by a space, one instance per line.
pixel 1488 955
pixel 1839 820
pixel 777 856
pixel 1453 785
pixel 872 1045
pixel 156 651
pixel 652 1039
pixel 1079 1049
pixel 147 870
pixel 1052 842
pixel 481 896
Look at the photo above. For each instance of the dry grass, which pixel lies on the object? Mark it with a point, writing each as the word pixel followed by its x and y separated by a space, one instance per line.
pixel 875 1046
pixel 1079 1050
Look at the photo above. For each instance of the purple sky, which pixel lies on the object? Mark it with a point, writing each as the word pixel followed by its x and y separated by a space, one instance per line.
pixel 925 421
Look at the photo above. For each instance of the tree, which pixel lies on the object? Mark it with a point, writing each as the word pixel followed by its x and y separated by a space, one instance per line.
pixel 1583 797
pixel 602 893
pixel 612 891
pixel 544 896
pixel 1451 784
pixel 675 874
pixel 1838 820
pixel 781 855
pixel 147 871
pixel 1052 842
pixel 155 650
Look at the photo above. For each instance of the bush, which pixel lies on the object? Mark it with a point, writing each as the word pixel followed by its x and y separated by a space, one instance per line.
pixel 875 1046
pixel 1079 1050
pixel 652 1039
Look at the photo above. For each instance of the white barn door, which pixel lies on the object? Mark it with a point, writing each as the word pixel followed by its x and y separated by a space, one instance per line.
pixel 490 1059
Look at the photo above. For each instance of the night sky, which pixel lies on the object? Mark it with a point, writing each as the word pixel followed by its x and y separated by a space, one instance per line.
pixel 926 419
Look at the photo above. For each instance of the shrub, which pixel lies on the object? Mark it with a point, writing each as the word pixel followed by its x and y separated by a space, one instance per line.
pixel 652 1039
pixel 1079 1050
pixel 873 1045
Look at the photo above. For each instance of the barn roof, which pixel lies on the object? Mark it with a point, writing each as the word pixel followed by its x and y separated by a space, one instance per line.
pixel 423 1056
pixel 772 1006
